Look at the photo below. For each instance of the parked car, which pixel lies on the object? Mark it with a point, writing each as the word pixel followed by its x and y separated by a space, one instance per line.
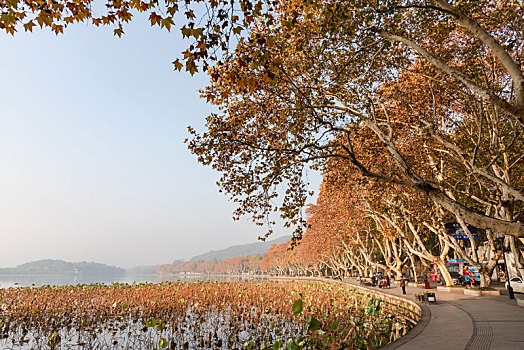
pixel 516 284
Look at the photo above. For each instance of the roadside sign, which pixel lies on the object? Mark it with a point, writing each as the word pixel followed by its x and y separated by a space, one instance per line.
pixel 456 230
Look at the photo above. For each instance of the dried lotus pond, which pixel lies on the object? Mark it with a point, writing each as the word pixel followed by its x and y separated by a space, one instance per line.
pixel 204 315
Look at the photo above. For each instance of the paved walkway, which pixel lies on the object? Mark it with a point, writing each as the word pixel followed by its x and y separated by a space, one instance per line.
pixel 458 322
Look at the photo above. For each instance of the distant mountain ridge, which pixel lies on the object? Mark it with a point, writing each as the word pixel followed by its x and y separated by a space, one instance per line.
pixel 60 267
pixel 258 248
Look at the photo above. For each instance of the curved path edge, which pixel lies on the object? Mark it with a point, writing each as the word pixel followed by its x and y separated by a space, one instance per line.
pixel 414 332
pixel 422 311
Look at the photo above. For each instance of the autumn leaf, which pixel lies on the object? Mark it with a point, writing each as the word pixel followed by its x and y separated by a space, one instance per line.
pixel 155 19
pixel 172 10
pixel 167 23
pixel 57 28
pixel 29 26
pixel 118 31
pixel 237 30
pixel 191 67
pixel 178 65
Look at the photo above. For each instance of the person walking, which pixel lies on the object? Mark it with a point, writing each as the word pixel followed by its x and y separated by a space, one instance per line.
pixel 426 282
pixel 403 285
pixel 388 285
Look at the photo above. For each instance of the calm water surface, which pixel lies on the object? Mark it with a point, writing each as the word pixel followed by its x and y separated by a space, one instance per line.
pixel 36 281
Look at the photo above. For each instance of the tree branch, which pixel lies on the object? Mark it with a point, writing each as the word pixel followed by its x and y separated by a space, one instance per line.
pixel 515 111
pixel 497 49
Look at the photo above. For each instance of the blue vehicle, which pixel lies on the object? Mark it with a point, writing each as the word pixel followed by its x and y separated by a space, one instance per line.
pixel 470 273
pixel 461 271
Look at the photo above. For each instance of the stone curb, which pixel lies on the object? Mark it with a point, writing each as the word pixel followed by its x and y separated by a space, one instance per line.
pixel 424 312
pixel 414 332
pixel 473 293
pixel 520 302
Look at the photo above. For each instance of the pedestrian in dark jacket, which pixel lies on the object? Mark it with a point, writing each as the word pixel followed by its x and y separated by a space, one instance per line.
pixel 426 282
pixel 403 285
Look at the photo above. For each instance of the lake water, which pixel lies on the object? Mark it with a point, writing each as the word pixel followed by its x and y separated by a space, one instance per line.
pixel 36 281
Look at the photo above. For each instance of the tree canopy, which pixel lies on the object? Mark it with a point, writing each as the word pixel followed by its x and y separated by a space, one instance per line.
pixel 427 95
pixel 209 24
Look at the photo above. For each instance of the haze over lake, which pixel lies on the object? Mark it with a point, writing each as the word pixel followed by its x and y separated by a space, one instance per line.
pixel 37 281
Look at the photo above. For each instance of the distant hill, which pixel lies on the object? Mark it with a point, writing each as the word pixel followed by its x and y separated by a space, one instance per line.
pixel 60 267
pixel 258 248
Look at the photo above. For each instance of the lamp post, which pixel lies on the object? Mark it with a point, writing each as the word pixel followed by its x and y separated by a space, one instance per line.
pixel 508 279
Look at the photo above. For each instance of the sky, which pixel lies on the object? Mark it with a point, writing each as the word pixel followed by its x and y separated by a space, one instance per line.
pixel 92 161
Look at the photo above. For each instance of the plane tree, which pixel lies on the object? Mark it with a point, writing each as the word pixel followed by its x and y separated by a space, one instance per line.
pixel 329 80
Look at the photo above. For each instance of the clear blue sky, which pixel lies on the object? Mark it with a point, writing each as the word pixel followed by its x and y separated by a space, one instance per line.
pixel 92 161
